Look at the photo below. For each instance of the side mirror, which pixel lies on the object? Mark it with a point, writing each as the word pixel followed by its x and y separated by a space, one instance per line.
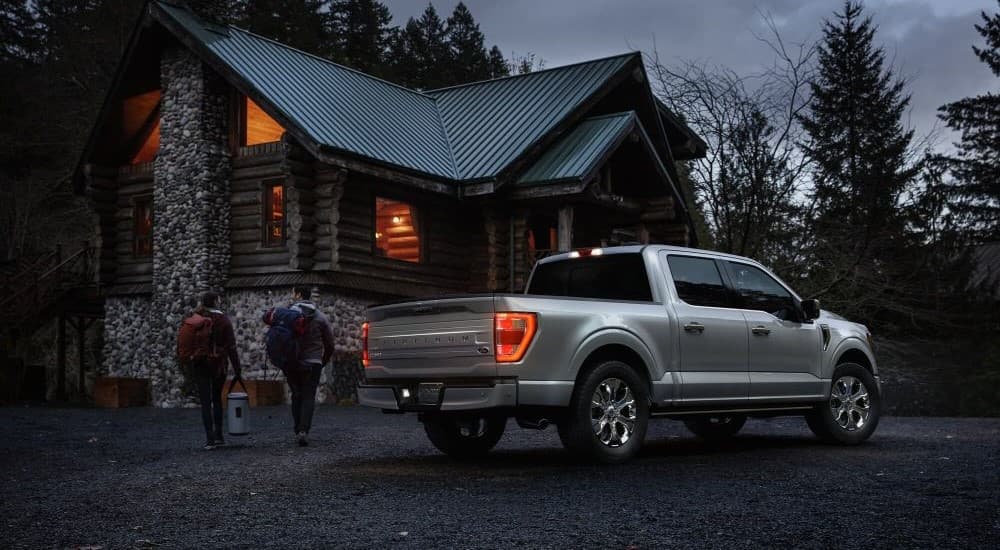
pixel 811 308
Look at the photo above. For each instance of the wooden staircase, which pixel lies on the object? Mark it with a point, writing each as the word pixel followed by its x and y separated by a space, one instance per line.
pixel 56 285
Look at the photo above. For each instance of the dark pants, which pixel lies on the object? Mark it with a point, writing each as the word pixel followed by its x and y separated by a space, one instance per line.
pixel 303 383
pixel 210 393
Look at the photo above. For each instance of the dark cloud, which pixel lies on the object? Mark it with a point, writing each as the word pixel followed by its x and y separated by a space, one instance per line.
pixel 928 41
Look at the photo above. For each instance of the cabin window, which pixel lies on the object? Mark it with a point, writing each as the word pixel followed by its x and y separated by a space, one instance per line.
pixel 274 213
pixel 257 126
pixel 140 128
pixel 142 230
pixel 397 230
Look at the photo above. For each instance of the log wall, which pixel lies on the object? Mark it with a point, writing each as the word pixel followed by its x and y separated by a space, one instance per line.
pixel 251 170
pixel 133 183
pixel 448 227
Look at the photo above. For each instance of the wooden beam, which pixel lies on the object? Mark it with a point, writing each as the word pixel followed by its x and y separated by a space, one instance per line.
pixel 61 359
pixel 565 234
pixel 81 334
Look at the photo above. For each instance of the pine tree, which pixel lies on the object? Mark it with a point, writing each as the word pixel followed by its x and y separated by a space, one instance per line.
pixel 497 65
pixel 422 55
pixel 974 193
pixel 300 24
pixel 862 163
pixel 470 62
pixel 360 35
pixel 18 31
pixel 219 11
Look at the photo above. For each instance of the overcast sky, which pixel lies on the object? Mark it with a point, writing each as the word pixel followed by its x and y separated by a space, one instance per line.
pixel 929 41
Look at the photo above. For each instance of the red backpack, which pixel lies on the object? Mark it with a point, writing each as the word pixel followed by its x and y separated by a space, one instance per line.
pixel 195 341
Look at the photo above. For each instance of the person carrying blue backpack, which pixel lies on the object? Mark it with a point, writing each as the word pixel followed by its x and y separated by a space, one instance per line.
pixel 300 343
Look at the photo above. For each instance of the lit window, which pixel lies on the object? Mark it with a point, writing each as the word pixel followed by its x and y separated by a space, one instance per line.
pixel 142 217
pixel 274 214
pixel 397 230
pixel 258 126
pixel 140 126
pixel 150 146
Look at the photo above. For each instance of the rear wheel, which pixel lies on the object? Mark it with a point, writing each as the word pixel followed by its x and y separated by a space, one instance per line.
pixel 466 436
pixel 852 412
pixel 608 414
pixel 716 428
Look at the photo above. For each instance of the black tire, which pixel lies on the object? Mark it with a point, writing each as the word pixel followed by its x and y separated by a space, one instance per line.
pixel 835 426
pixel 577 432
pixel 464 437
pixel 716 428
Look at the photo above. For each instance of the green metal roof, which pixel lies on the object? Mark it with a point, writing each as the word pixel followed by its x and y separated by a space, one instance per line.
pixel 461 133
pixel 579 152
pixel 489 124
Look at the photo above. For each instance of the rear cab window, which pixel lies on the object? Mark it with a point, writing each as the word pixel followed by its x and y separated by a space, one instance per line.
pixel 611 277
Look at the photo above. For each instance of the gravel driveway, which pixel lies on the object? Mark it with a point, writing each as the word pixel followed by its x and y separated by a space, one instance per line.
pixel 139 478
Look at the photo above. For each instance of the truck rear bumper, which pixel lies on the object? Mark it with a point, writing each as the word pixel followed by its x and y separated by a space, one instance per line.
pixel 456 398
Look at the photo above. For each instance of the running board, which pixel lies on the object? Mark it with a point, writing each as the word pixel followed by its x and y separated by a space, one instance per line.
pixel 746 410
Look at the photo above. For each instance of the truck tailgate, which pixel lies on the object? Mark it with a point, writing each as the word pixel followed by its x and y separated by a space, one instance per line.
pixel 437 338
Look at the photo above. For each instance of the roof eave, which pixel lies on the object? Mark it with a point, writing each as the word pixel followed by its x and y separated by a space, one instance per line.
pixel 354 161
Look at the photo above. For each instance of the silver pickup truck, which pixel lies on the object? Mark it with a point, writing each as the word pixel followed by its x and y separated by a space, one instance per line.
pixel 604 339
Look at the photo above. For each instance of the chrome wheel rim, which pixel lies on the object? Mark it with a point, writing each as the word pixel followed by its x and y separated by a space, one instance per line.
pixel 849 403
pixel 613 412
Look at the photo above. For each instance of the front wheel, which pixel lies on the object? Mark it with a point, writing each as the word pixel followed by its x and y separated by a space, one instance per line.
pixel 464 437
pixel 851 413
pixel 608 414
pixel 716 428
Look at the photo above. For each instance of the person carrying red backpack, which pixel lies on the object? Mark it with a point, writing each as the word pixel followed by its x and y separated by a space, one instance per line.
pixel 205 342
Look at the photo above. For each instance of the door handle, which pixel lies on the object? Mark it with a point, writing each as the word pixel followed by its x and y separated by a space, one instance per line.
pixel 694 327
pixel 761 331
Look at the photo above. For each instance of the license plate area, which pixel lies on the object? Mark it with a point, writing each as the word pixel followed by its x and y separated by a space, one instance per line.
pixel 429 393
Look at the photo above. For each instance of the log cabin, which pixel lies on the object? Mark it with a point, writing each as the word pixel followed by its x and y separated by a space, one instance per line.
pixel 227 161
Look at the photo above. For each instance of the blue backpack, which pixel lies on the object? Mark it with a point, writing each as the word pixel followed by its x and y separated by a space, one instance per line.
pixel 287 325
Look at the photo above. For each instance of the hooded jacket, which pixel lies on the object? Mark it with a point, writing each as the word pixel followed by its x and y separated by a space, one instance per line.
pixel 316 345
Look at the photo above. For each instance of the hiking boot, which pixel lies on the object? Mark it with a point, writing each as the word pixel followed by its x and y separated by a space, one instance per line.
pixel 303 439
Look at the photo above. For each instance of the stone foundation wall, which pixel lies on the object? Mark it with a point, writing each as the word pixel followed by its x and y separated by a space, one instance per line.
pixel 128 331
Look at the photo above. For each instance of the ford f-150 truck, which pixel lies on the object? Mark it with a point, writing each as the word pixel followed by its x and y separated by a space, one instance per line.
pixel 604 339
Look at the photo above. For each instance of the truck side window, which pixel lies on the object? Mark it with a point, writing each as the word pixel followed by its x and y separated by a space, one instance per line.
pixel 760 291
pixel 698 281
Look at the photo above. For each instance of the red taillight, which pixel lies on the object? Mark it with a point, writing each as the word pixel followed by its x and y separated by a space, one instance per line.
pixel 513 333
pixel 364 344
